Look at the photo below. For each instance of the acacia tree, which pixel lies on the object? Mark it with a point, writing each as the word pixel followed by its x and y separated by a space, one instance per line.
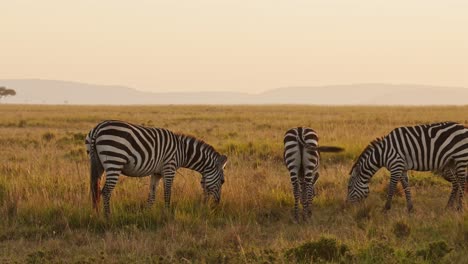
pixel 4 92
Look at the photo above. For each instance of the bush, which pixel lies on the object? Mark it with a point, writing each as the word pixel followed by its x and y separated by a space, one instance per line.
pixel 377 253
pixel 401 229
pixel 22 123
pixel 434 252
pixel 325 249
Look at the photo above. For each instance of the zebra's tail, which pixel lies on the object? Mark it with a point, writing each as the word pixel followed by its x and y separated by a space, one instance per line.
pixel 301 140
pixel 330 149
pixel 96 171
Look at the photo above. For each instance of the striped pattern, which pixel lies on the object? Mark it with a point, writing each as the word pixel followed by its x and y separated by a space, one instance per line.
pixel 117 147
pixel 439 147
pixel 302 158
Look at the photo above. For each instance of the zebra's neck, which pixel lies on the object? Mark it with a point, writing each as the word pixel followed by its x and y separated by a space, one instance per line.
pixel 372 159
pixel 195 154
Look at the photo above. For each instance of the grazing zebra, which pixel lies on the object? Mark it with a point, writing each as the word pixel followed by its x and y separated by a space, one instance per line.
pixel 439 147
pixel 302 157
pixel 117 147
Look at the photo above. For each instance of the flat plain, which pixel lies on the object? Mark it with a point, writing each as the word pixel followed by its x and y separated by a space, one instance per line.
pixel 46 214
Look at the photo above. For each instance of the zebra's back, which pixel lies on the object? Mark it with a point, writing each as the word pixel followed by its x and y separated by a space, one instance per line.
pixel 135 150
pixel 429 147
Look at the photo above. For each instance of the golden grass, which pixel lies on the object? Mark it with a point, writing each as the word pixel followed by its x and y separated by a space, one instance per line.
pixel 45 205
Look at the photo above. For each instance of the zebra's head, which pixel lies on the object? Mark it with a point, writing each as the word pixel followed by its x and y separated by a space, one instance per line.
pixel 368 163
pixel 213 178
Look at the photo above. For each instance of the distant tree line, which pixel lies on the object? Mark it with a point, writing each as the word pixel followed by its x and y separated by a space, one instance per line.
pixel 4 92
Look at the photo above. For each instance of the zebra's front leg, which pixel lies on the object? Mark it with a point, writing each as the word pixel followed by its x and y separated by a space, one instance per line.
pixel 205 192
pixel 168 176
pixel 155 178
pixel 405 183
pixel 394 178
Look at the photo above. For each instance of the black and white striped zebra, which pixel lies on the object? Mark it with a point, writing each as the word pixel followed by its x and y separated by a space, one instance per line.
pixel 302 158
pixel 438 147
pixel 117 147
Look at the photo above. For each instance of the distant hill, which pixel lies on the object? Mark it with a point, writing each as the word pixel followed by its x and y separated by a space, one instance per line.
pixel 35 91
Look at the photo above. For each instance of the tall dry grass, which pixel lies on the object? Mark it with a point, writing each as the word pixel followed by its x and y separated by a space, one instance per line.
pixel 46 209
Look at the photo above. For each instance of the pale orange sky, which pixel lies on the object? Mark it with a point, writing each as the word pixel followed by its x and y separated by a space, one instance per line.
pixel 247 46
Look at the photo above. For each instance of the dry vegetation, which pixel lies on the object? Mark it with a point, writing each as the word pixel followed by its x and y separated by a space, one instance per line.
pixel 45 207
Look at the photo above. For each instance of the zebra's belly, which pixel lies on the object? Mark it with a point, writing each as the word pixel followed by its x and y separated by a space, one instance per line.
pixel 139 170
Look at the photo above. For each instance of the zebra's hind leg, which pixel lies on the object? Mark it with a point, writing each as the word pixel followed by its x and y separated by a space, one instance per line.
pixel 461 187
pixel 308 192
pixel 460 179
pixel 405 183
pixel 155 178
pixel 112 176
pixel 453 193
pixel 294 172
pixel 297 194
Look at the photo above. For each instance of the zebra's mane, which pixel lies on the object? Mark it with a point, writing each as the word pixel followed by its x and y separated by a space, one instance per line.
pixel 200 141
pixel 374 143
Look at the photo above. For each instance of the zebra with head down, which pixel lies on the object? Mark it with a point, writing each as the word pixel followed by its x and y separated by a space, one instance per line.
pixel 302 158
pixel 117 147
pixel 439 147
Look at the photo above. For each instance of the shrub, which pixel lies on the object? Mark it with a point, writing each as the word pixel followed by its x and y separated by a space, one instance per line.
pixel 48 136
pixel 79 137
pixel 434 252
pixel 363 213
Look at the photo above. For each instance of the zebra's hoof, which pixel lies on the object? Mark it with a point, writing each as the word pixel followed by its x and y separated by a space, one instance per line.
pixel 410 210
pixel 295 219
pixel 386 208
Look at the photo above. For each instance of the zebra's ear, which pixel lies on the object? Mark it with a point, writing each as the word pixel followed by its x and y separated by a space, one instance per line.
pixel 222 160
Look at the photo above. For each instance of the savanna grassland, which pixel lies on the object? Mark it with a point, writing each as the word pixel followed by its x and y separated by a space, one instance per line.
pixel 46 214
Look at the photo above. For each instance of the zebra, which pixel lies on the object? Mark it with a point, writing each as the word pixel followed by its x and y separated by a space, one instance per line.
pixel 302 158
pixel 439 147
pixel 117 147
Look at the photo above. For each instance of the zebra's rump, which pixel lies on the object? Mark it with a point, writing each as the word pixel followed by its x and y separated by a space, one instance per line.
pixel 300 149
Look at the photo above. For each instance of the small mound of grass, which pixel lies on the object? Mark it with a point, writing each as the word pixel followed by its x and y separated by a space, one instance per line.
pixel 401 229
pixel 325 249
pixel 48 136
pixel 363 213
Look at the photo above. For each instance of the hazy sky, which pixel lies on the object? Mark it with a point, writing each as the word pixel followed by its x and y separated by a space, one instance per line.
pixel 250 46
